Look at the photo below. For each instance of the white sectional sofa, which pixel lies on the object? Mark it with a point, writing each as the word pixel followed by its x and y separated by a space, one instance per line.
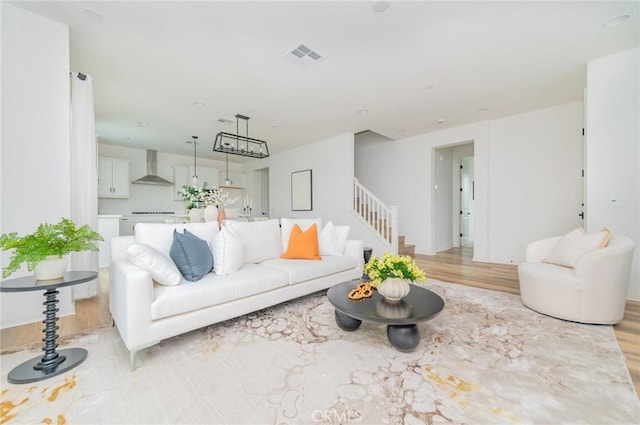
pixel 146 312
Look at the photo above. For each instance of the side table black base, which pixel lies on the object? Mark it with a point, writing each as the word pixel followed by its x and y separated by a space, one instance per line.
pixel 347 323
pixel 26 372
pixel 403 338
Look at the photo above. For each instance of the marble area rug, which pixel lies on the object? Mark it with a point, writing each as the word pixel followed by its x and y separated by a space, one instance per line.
pixel 486 359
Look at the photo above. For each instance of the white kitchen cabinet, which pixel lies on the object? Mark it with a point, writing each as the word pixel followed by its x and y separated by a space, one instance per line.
pixel 205 175
pixel 183 174
pixel 113 178
pixel 181 177
pixel 238 179
pixel 108 227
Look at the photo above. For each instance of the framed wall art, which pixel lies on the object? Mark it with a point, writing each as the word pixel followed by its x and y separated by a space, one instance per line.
pixel 301 191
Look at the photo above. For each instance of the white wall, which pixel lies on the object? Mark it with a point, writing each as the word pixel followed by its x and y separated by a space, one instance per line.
pixel 613 153
pixel 35 183
pixel 536 184
pixel 144 197
pixel 401 173
pixel 332 164
pixel 527 180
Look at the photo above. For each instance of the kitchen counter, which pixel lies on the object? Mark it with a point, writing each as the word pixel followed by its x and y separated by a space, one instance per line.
pixel 108 227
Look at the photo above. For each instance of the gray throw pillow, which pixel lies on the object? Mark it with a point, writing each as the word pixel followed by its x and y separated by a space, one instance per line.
pixel 192 255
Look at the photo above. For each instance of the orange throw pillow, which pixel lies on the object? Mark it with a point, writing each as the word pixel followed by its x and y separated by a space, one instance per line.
pixel 303 245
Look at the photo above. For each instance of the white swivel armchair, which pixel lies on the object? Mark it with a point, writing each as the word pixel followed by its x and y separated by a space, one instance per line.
pixel 594 291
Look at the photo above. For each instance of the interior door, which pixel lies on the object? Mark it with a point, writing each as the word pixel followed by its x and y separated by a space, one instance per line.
pixel 466 200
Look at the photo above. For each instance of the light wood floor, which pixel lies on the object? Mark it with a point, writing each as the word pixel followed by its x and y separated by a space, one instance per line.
pixel 454 265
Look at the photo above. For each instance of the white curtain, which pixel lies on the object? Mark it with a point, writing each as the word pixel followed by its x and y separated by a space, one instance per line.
pixel 84 176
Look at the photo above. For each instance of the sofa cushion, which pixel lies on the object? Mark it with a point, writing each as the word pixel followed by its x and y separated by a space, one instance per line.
pixel 261 238
pixel 576 243
pixel 286 225
pixel 303 245
pixel 191 254
pixel 213 289
pixel 303 270
pixel 228 250
pixel 160 235
pixel 161 268
pixel 332 240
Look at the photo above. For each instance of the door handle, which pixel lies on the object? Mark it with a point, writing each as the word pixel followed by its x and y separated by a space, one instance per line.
pixel 581 215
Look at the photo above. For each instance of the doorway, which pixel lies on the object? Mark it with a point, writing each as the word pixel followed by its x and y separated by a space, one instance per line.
pixel 263 192
pixel 454 193
pixel 467 195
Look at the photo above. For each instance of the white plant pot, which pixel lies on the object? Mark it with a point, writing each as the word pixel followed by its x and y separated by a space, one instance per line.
pixel 393 290
pixel 52 267
pixel 196 215
pixel 211 213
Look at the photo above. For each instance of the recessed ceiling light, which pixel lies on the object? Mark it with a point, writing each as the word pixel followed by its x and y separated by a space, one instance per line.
pixel 440 120
pixel 617 21
pixel 380 6
pixel 363 111
pixel 198 105
pixel 143 124
pixel 429 87
pixel 483 109
pixel 225 121
pixel 277 127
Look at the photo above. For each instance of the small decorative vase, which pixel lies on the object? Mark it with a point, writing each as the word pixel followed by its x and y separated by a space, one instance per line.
pixel 52 267
pixel 222 215
pixel 196 215
pixel 393 290
pixel 211 213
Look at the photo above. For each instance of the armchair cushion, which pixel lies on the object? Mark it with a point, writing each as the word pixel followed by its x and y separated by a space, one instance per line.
pixel 576 243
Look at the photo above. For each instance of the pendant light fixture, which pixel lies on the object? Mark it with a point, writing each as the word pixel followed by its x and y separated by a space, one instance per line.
pixel 235 144
pixel 194 178
pixel 227 181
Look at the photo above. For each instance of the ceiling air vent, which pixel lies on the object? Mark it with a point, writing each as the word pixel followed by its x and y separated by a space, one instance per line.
pixel 303 55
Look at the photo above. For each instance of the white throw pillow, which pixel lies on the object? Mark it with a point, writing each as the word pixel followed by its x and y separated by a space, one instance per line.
pixel 261 238
pixel 576 243
pixel 160 235
pixel 342 234
pixel 286 225
pixel 161 268
pixel 327 240
pixel 228 250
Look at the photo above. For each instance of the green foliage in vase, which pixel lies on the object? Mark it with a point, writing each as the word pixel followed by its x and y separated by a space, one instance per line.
pixel 49 239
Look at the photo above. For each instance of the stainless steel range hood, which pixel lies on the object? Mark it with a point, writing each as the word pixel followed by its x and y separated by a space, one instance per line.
pixel 152 176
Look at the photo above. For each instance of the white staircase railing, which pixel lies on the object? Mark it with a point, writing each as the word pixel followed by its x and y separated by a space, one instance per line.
pixel 379 217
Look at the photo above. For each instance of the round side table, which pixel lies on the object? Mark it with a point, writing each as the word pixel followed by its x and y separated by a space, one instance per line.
pixel 53 362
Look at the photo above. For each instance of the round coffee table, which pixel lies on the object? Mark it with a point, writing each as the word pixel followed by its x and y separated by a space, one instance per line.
pixel 400 317
pixel 54 362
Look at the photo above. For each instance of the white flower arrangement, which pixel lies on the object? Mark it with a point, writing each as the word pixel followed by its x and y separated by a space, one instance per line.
pixel 200 196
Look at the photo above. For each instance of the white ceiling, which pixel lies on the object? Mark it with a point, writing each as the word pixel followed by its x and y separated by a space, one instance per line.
pixel 409 66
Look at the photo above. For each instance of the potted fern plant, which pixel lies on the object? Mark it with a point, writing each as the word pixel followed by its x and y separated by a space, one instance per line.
pixel 45 250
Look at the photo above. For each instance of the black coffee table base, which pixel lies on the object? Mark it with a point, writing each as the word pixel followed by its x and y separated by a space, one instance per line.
pixel 403 338
pixel 32 370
